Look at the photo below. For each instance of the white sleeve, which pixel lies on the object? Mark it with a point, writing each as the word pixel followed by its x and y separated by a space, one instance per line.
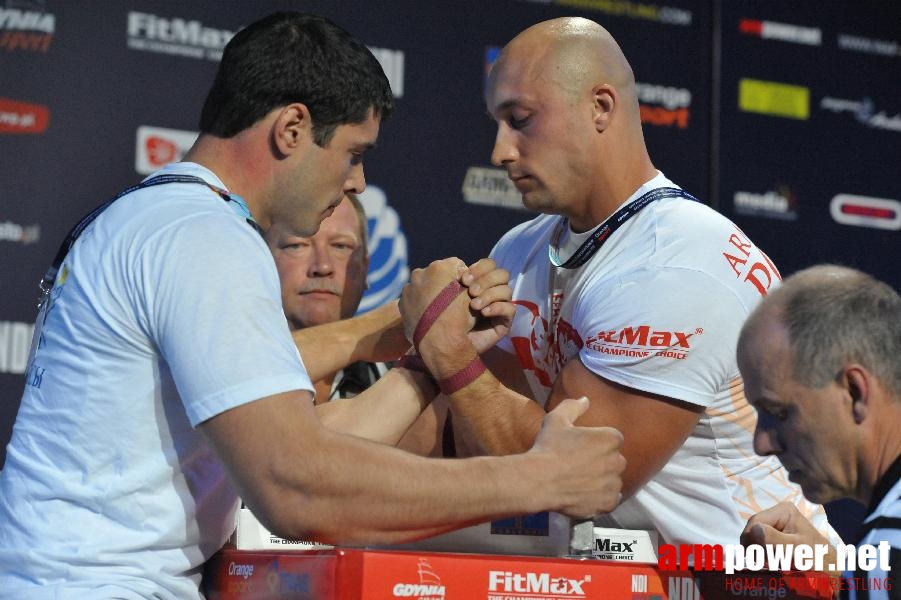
pixel 665 331
pixel 215 313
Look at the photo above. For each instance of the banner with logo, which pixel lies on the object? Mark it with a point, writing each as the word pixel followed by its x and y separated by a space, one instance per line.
pixel 785 117
pixel 810 131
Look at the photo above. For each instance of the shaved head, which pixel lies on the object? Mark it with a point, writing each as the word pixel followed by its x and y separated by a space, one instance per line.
pixel 571 52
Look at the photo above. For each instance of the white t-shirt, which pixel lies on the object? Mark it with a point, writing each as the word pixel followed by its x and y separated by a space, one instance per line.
pixel 658 308
pixel 166 312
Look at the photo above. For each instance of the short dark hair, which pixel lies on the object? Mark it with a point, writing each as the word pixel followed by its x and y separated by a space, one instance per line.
pixel 295 57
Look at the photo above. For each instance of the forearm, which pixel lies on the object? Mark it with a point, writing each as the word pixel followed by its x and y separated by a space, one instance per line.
pixel 379 494
pixel 375 336
pixel 384 411
pixel 500 419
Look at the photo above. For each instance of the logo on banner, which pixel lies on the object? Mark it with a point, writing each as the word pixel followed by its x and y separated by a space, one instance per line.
pixel 26 30
pixel 772 98
pixel 176 36
pixel 388 262
pixel 858 43
pixel 430 586
pixel 21 117
pixel 15 343
pixel 392 62
pixel 664 106
pixel 779 204
pixel 864 111
pixel 491 187
pixel 667 15
pixel 285 583
pixel 863 211
pixel 22 234
pixel 783 32
pixel 507 585
pixel 157 147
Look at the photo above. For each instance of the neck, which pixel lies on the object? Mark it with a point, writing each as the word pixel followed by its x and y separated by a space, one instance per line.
pixel 884 449
pixel 241 164
pixel 608 195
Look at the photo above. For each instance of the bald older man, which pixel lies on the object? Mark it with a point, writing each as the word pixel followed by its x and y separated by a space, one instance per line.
pixel 629 292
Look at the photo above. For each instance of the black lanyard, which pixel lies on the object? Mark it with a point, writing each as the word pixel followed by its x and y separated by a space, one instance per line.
pixel 46 283
pixel 604 231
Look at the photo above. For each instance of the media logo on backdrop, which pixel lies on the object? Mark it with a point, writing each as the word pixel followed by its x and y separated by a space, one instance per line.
pixel 156 147
pixel 26 26
pixel 864 211
pixel 667 15
pixel 664 106
pixel 774 99
pixel 864 111
pixel 783 32
pixel 778 204
pixel 22 117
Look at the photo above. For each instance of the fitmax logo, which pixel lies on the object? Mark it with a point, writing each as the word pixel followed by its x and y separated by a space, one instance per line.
pixel 535 583
pixel 607 545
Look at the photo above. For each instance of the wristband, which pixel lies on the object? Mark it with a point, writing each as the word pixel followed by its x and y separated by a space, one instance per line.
pixel 434 309
pixel 414 362
pixel 463 377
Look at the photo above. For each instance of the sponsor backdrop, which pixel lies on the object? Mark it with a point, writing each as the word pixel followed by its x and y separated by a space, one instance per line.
pixel 784 116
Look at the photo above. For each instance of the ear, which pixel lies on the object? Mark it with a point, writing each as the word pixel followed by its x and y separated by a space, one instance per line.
pixel 604 103
pixel 292 129
pixel 856 380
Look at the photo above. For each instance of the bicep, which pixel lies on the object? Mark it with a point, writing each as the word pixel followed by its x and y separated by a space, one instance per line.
pixel 653 426
pixel 260 443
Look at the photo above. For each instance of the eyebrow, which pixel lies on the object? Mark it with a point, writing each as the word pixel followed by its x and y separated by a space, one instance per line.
pixel 505 105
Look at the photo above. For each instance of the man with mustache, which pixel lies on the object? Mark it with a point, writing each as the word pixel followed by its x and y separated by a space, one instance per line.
pixel 323 277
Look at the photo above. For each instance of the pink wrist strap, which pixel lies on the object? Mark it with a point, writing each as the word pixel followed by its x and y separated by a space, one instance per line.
pixel 434 309
pixel 463 377
pixel 414 362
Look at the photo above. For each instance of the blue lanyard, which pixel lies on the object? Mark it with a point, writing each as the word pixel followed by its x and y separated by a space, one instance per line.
pixel 46 283
pixel 604 231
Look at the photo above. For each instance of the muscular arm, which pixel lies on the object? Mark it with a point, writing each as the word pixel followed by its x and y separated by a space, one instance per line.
pixel 304 481
pixel 376 336
pixel 504 421
pixel 653 426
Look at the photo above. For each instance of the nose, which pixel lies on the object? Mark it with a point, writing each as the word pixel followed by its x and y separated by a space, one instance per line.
pixel 320 260
pixel 766 441
pixel 356 180
pixel 504 149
